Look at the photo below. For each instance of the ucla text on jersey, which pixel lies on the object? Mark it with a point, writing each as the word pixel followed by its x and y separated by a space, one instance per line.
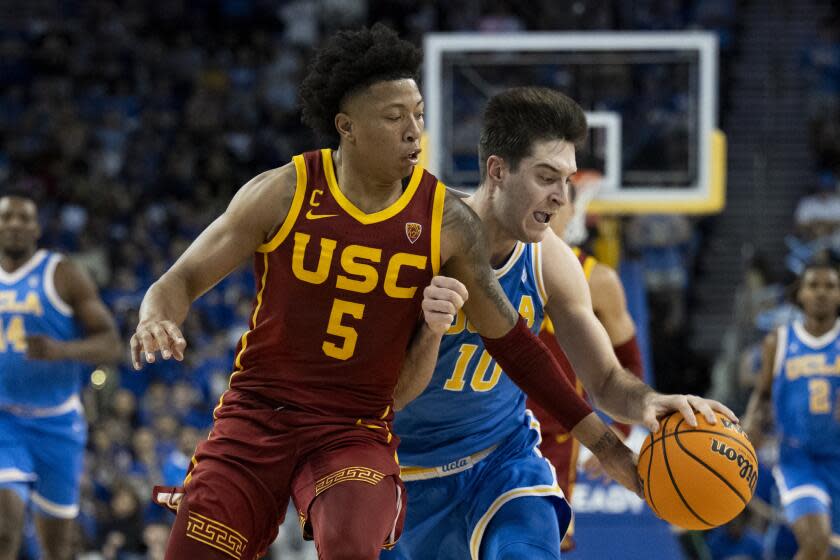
pixel 806 389
pixel 470 404
pixel 30 305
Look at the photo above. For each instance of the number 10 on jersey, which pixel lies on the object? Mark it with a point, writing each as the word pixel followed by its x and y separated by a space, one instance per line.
pixel 478 380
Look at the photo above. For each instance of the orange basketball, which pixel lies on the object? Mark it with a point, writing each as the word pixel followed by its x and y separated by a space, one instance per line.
pixel 698 478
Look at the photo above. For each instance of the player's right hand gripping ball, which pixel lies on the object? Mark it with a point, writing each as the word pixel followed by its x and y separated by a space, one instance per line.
pixel 698 478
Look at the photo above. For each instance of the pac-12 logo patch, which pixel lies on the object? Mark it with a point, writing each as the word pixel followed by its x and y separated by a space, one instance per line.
pixel 413 231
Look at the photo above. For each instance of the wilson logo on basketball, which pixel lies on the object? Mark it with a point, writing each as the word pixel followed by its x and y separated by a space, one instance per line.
pixel 748 471
pixel 413 231
pixel 732 426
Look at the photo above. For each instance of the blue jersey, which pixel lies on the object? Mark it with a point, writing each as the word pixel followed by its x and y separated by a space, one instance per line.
pixel 470 404
pixel 30 305
pixel 806 389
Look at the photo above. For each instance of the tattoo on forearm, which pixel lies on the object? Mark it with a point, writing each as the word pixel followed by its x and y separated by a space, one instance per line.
pixel 607 440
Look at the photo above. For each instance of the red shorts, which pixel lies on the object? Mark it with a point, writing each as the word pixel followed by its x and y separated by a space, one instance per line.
pixel 561 449
pixel 258 456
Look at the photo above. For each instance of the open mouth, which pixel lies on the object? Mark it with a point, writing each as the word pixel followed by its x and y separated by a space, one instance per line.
pixel 542 217
pixel 414 156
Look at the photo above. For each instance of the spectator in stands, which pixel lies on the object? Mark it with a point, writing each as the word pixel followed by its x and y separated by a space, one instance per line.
pixel 732 372
pixel 818 214
pixel 665 246
pixel 155 537
pixel 821 70
pixel 175 465
pixel 121 537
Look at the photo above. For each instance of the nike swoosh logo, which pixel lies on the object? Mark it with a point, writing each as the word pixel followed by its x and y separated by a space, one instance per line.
pixel 311 216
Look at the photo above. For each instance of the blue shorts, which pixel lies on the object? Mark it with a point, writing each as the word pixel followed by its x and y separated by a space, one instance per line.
pixel 447 516
pixel 808 485
pixel 41 459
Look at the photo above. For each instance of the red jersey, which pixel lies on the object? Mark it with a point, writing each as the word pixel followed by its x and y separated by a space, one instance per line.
pixel 339 295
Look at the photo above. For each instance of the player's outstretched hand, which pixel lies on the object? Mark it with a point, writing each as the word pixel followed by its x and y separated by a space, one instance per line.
pixel 156 336
pixel 658 405
pixel 442 299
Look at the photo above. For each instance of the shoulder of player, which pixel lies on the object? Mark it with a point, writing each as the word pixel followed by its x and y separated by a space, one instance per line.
pixel 72 282
pixel 561 270
pixel 605 286
pixel 770 342
pixel 456 192
pixel 271 186
pixel 460 223
pixel 264 198
pixel 557 255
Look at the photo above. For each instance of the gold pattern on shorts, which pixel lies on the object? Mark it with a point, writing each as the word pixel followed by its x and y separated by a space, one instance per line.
pixel 216 534
pixel 362 474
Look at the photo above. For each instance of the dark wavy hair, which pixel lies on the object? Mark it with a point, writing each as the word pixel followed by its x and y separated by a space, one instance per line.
pixel 517 118
pixel 349 62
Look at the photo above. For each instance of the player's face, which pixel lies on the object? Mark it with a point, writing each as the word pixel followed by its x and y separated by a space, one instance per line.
pixel 19 230
pixel 819 293
pixel 538 190
pixel 386 122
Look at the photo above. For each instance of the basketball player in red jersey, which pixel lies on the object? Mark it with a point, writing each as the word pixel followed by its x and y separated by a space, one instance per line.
pixel 343 243
pixel 610 306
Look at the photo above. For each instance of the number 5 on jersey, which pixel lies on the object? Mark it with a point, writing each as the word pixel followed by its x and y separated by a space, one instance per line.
pixel 335 327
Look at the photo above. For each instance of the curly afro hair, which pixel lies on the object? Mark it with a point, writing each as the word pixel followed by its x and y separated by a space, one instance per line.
pixel 349 62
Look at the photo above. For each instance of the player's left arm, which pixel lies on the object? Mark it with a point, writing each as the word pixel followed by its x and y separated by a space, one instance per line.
pixel 589 349
pixel 100 343
pixel 760 406
pixel 610 304
pixel 442 299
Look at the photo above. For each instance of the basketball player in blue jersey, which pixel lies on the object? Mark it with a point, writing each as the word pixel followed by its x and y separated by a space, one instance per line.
pixel 800 384
pixel 478 487
pixel 51 323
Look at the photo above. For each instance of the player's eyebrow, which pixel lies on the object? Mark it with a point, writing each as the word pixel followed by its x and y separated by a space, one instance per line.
pixel 555 169
pixel 401 105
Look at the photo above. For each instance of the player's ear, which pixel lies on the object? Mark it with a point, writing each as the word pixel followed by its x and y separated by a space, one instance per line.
pixel 344 126
pixel 496 168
